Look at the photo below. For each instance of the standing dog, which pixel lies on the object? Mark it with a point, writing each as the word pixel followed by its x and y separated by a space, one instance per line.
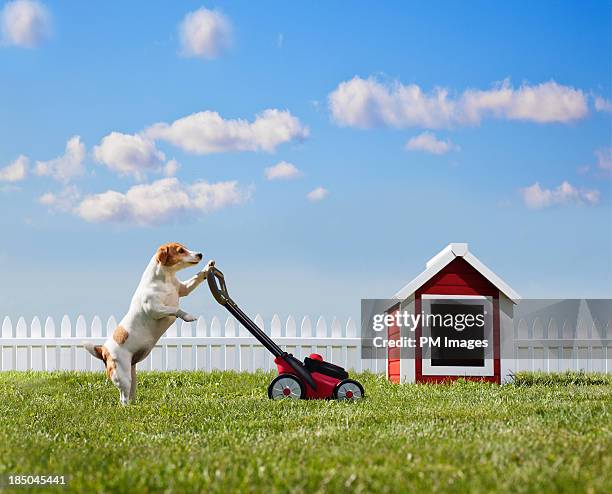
pixel 154 307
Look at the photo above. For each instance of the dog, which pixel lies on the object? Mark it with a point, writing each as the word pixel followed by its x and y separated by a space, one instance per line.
pixel 154 307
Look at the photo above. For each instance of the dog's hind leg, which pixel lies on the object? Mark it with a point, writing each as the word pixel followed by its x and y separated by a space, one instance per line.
pixel 124 395
pixel 134 384
pixel 124 385
pixel 122 378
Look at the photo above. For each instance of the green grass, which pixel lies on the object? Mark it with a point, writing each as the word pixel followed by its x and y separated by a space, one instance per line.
pixel 579 378
pixel 219 433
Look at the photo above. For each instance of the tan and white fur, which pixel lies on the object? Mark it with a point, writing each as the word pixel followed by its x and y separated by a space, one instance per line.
pixel 154 307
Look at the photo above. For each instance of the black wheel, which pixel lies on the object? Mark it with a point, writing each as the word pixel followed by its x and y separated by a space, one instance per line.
pixel 348 389
pixel 286 387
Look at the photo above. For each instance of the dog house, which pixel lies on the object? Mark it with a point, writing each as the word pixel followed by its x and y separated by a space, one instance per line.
pixel 454 280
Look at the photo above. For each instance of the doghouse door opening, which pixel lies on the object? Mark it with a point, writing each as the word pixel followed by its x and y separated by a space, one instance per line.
pixel 457 356
pixel 464 357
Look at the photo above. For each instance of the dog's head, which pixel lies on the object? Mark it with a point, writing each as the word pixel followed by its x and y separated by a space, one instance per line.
pixel 177 256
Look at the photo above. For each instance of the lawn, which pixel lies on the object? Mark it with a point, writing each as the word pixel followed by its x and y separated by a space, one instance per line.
pixel 191 431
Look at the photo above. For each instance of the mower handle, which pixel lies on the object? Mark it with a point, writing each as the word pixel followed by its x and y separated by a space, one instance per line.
pixel 216 283
pixel 219 291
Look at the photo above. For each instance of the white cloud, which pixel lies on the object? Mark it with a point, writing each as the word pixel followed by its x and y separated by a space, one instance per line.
pixel 542 103
pixel 604 158
pixel 16 171
pixel 366 103
pixel 317 194
pixel 205 34
pixel 171 168
pixel 129 154
pixel 160 202
pixel 67 166
pixel 48 199
pixel 207 132
pixel 602 104
pixel 64 201
pixel 428 142
pixel 282 171
pixel 25 23
pixel 535 197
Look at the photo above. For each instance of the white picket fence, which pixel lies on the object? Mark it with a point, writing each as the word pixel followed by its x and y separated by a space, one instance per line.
pixel 202 345
pixel 226 345
pixel 550 346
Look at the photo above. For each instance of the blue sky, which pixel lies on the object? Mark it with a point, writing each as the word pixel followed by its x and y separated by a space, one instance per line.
pixel 521 170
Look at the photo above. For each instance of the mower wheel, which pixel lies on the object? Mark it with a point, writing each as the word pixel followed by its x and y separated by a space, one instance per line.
pixel 286 387
pixel 348 389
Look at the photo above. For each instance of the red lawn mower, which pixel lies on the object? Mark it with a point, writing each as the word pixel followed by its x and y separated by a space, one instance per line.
pixel 312 379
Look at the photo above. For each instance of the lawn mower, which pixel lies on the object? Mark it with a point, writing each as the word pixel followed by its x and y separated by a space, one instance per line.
pixel 312 379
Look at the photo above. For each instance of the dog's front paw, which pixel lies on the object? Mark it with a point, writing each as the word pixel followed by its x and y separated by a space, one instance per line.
pixel 181 314
pixel 209 265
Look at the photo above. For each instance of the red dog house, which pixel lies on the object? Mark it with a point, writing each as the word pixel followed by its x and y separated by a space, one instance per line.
pixel 457 276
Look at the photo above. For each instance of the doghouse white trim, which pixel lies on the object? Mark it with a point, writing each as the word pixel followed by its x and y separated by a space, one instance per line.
pixel 443 258
pixel 450 370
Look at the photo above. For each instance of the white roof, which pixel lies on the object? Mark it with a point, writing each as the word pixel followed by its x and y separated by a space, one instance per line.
pixel 442 259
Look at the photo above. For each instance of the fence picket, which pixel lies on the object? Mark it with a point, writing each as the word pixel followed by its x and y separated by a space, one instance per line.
pixel 201 327
pixel 306 327
pixel 276 327
pixel 95 332
pixel 227 352
pixel 7 327
pixel 6 355
pixel 35 328
pixel 259 357
pixel 187 351
pixel 321 332
pixel 276 332
pixel 353 354
pixel 335 352
pixel 64 352
pixel 21 354
pixel 111 324
pixel 170 351
pixel 96 327
pixel 214 358
pixel 82 360
pixel 200 348
pixel 37 354
pixel 306 332
pixel 291 332
pixel 50 353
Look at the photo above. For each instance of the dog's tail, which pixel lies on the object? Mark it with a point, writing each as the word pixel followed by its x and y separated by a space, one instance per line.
pixel 95 350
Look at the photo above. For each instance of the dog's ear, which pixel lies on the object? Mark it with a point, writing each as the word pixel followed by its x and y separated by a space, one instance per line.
pixel 162 255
